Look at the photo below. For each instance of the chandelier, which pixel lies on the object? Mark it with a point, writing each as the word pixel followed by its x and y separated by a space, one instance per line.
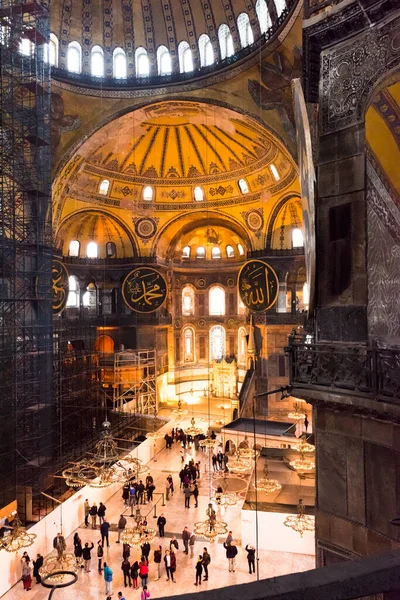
pixel 302 464
pixel 295 414
pixel 304 446
pixel 193 430
pixel 179 412
pixel 267 485
pixel 300 522
pixel 17 538
pixel 223 498
pixel 239 465
pixel 211 527
pixel 208 443
pixel 154 435
pixel 247 453
pixel 53 565
pixel 137 467
pixel 136 536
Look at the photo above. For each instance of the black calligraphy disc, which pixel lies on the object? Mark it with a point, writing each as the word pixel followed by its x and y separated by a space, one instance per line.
pixel 258 285
pixel 60 286
pixel 144 290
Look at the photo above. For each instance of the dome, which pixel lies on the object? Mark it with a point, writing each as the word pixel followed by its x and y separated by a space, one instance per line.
pixel 110 237
pixel 210 241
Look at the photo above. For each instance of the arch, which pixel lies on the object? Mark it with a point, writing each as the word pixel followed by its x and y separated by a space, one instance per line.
pixel 297 238
pixel 92 250
pixel 111 250
pixel 89 298
pixel 217 342
pixel 240 249
pixel 53 50
pixel 216 252
pixel 198 194
pixel 142 62
pixel 187 301
pixel 186 252
pixel 201 252
pixel 242 346
pixel 74 57
pixel 164 62
pixel 274 214
pixel 74 248
pixel 216 301
pixel 205 50
pixel 225 41
pixel 97 62
pixel 104 344
pixel 230 253
pixel 263 15
pixel 104 187
pixel 243 186
pixel 245 30
pixel 188 338
pixel 119 64
pixel 148 193
pixel 275 172
pixel 185 57
pixel 73 293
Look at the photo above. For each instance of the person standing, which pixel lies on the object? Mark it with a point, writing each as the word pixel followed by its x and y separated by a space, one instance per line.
pixel 143 570
pixel 199 570
pixel 171 484
pixel 231 552
pixel 121 527
pixel 139 492
pixel 145 594
pixel 251 554
pixel 101 512
pixel 86 508
pixel 78 548
pixel 59 545
pixel 104 527
pixel 26 573
pixel 173 563
pixel 195 494
pixel 229 538
pixel 132 497
pixel 161 523
pixel 157 561
pixel 145 548
pixel 108 577
pixel 192 540
pixel 125 494
pixel 206 562
pixel 100 554
pixel 37 564
pixel 150 487
pixel 126 550
pixel 187 492
pixel 173 543
pixel 135 574
pixel 126 569
pixel 86 555
pixel 185 539
pixel 214 462
pixel 220 458
pixel 93 515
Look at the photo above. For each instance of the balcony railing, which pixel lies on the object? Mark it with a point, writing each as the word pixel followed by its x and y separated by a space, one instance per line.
pixel 344 368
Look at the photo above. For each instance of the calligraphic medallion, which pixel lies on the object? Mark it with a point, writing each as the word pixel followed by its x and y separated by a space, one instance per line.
pixel 258 285
pixel 144 290
pixel 59 286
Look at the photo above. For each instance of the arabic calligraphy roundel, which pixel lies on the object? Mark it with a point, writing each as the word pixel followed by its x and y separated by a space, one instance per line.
pixel 144 290
pixel 258 285
pixel 60 287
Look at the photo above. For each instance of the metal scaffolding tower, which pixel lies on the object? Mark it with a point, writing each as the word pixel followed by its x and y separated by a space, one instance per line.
pixel 135 381
pixel 26 403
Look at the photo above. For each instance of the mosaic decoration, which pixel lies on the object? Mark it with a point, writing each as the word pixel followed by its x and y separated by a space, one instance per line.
pixel 258 285
pixel 230 282
pixel 221 190
pixel 145 228
pixel 255 220
pixel 201 283
pixel 60 286
pixel 144 290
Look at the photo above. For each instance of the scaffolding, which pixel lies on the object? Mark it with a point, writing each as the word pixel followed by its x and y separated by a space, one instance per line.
pixel 134 387
pixel 26 402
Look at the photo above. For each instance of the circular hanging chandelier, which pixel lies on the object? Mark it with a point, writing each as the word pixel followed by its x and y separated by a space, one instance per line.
pixel 17 538
pixel 295 414
pixel 179 412
pixel 136 536
pixel 267 485
pixel 248 453
pixel 193 430
pixel 224 498
pixel 53 567
pixel 211 527
pixel 239 465
pixel 208 443
pixel 300 522
pixel 155 434
pixel 137 467
pixel 304 446
pixel 302 464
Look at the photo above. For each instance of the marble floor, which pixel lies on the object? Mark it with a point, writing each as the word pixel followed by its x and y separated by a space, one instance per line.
pixel 91 585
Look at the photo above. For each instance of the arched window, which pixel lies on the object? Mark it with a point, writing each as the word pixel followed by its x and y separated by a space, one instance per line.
pixel 216 252
pixel 297 238
pixel 230 253
pixel 198 194
pixel 185 58
pixel 186 252
pixel 274 172
pixel 89 298
pixel 164 61
pixel 263 15
pixel 201 252
pixel 240 249
pixel 111 250
pixel 245 30
pixel 74 246
pixel 217 342
pixel 104 187
pixel 26 47
pixel 242 345
pixel 188 344
pixel 53 50
pixel 280 6
pixel 205 50
pixel 119 64
pixel 142 63
pixel 187 301
pixel 148 193
pixel 97 62
pixel 243 187
pixel 216 301
pixel 225 41
pixel 92 250
pixel 74 57
pixel 73 295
